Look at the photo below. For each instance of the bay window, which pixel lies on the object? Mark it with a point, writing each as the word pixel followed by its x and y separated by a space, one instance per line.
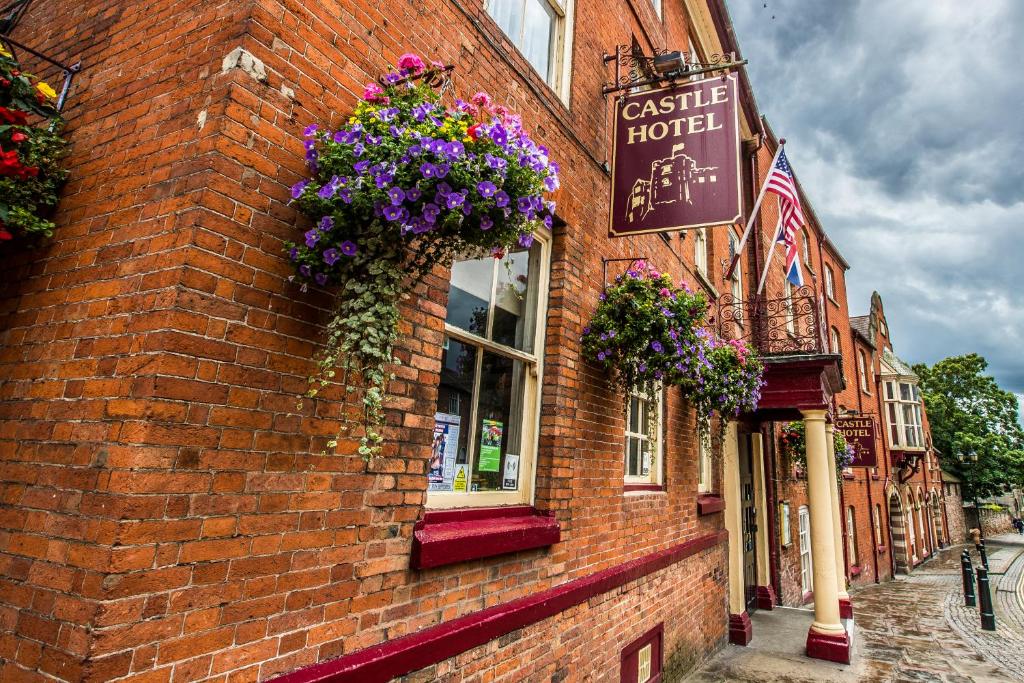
pixel 643 448
pixel 541 30
pixel 485 427
pixel 903 415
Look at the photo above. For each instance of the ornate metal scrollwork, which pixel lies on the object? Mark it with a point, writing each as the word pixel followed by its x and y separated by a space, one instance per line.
pixel 634 69
pixel 773 326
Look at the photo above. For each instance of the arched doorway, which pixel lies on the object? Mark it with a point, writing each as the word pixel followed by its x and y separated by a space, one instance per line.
pixel 911 529
pixel 940 530
pixel 898 530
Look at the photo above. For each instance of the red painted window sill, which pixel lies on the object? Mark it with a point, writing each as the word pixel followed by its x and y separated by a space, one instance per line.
pixel 708 503
pixel 449 536
pixel 642 487
pixel 854 571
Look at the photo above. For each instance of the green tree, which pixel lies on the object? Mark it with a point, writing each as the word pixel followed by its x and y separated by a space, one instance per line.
pixel 968 413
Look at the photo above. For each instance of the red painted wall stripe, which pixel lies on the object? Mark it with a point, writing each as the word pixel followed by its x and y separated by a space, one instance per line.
pixel 435 644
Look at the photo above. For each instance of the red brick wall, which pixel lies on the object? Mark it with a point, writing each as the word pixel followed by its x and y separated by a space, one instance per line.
pixel 168 512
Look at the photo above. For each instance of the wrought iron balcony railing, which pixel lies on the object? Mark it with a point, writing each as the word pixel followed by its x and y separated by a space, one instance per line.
pixel 775 326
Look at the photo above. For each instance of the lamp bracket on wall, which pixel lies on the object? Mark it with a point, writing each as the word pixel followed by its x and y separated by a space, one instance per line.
pixel 634 69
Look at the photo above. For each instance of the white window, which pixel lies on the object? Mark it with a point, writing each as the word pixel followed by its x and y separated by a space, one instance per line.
pixel 643 457
pixel 878 524
pixel 786 533
pixel 700 250
pixel 790 312
pixel 485 433
pixel 830 286
pixel 657 7
pixel 705 472
pixel 834 340
pixel 862 366
pixel 851 536
pixel 541 31
pixel 807 247
pixel 806 567
pixel 903 415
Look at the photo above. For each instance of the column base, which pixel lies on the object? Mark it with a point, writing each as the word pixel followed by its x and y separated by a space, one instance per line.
pixel 740 629
pixel 832 647
pixel 766 598
pixel 845 608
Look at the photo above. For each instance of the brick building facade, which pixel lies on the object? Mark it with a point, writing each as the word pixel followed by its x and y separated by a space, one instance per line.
pixel 170 513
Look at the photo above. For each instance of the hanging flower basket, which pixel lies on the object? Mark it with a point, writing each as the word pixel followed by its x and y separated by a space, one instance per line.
pixel 408 183
pixel 793 445
pixel 648 333
pixel 31 149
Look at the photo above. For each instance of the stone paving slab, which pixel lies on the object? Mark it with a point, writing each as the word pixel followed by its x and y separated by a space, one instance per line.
pixel 911 629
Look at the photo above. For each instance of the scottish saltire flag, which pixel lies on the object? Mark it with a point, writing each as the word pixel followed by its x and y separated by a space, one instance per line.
pixel 791 216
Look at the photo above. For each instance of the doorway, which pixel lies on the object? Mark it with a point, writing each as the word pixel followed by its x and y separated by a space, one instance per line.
pixel 748 511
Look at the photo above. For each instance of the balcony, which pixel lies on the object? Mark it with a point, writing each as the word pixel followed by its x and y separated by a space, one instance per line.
pixel 789 333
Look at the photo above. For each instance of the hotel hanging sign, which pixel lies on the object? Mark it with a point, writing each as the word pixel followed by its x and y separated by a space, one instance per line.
pixel 859 433
pixel 676 158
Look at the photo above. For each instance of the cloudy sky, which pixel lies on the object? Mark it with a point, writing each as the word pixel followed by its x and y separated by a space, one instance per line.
pixel 904 121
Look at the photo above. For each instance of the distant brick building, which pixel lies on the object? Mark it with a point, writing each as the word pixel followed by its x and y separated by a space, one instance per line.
pixel 168 512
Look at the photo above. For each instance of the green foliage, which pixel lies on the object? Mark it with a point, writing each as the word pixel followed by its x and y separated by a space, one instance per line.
pixel 648 333
pixel 793 444
pixel 405 185
pixel 30 155
pixel 968 412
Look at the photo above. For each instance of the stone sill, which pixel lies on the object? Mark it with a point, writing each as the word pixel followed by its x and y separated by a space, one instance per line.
pixel 445 537
pixel 709 503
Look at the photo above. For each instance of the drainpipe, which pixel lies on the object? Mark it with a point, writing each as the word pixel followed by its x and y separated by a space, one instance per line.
pixel 887 458
pixel 874 531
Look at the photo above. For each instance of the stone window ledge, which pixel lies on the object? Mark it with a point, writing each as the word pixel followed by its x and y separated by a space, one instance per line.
pixel 449 536
pixel 709 503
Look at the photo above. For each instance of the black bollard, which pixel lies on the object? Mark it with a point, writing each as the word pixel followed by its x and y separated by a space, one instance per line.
pixel 983 553
pixel 988 617
pixel 968 572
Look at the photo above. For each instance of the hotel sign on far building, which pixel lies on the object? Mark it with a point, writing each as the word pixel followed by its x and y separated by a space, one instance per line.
pixel 676 158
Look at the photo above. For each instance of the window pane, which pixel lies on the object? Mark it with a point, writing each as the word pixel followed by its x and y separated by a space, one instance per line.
pixel 634 415
pixel 499 421
pixel 904 391
pixel 515 301
pixel 508 14
pixel 455 398
pixel 632 456
pixel 645 458
pixel 537 32
pixel 470 294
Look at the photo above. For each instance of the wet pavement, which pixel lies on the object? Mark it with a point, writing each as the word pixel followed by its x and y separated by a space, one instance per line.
pixel 913 629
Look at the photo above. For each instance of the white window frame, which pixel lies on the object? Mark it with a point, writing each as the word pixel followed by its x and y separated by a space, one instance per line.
pixel 705 469
pixel 807 248
pixel 654 476
pixel 560 49
pixel 862 366
pixel 657 8
pixel 790 311
pixel 534 363
pixel 806 560
pixel 700 251
pixel 830 285
pixel 851 535
pixel 834 340
pixel 897 407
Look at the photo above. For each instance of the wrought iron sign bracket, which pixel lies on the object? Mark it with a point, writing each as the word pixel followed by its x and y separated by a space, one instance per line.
pixel 633 69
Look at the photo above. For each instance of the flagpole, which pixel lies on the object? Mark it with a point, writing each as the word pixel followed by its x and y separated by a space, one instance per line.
pixel 771 253
pixel 752 220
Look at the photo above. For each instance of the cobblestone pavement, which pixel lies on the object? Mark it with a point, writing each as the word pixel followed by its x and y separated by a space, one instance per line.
pixel 912 629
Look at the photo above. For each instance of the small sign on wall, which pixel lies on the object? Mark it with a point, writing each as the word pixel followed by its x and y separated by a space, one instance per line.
pixel 859 432
pixel 676 158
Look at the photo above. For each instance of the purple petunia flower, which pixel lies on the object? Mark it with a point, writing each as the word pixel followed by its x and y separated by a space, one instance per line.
pixel 392 78
pixel 642 367
pixel 430 212
pixel 346 195
pixel 602 355
pixel 454 149
pixel 331 256
pixel 298 187
pixel 325 192
pixel 428 170
pixel 454 199
pixel 361 166
pixel 486 223
pixel 442 170
pixel 321 279
pixel 657 347
pixel 548 221
pixel 348 248
pixel 326 223
pixel 486 188
pixel 524 205
pixel 310 130
pixel 526 240
pixel 293 253
pixel 444 189
pixel 499 135
pixel 397 195
pixel 551 183
pixel 358 149
pixel 305 271
pixel 312 237
pixel 392 213
pixel 413 193
pixel 501 198
pixel 396 131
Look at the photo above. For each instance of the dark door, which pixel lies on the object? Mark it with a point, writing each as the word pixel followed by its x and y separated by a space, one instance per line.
pixel 749 516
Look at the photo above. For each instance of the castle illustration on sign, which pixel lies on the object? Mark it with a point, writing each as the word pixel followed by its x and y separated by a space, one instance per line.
pixel 668 183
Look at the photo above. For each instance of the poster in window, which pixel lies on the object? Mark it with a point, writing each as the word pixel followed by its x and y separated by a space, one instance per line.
pixel 441 468
pixel 510 478
pixel 490 445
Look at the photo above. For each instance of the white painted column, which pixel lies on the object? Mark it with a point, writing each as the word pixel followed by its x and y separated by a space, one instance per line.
pixel 823 550
pixel 837 513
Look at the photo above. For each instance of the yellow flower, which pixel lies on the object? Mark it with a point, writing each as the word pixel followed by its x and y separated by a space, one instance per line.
pixel 4 52
pixel 45 88
pixel 351 120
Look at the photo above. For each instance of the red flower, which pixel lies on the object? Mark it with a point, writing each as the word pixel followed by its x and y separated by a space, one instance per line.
pixel 13 116
pixel 10 165
pixel 473 131
pixel 4 235
pixel 5 83
pixel 18 136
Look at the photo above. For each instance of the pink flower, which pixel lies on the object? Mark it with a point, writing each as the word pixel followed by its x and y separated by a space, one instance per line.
pixel 481 98
pixel 374 93
pixel 664 292
pixel 411 63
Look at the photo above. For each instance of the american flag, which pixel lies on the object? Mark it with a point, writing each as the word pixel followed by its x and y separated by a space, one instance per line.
pixel 791 216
